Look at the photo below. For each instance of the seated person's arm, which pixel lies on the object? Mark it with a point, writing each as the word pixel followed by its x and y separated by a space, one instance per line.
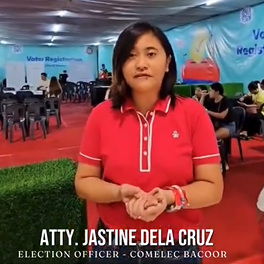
pixel 203 101
pixel 251 105
pixel 223 111
pixel 88 182
pixel 249 102
pixel 241 99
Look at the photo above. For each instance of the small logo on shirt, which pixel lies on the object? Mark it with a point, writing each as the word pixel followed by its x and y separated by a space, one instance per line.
pixel 175 134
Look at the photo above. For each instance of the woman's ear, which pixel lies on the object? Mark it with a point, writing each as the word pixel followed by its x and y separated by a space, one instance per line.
pixel 168 63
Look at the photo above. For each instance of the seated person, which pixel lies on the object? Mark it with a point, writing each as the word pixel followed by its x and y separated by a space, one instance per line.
pixel 262 85
pixel 44 83
pixel 54 89
pixel 198 92
pixel 219 110
pixel 252 103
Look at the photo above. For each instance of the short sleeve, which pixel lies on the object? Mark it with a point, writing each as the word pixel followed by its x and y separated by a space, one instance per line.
pixel 204 143
pixel 224 104
pixel 90 145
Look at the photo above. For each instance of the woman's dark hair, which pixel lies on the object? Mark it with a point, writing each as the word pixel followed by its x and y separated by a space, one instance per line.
pixel 253 86
pixel 54 86
pixel 218 87
pixel 120 90
pixel 262 82
pixel 202 87
pixel 44 74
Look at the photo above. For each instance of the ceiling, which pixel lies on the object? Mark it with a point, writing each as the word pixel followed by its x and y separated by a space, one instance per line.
pixel 90 22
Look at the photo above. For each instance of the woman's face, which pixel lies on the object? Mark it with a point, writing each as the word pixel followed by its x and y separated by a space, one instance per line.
pixel 145 68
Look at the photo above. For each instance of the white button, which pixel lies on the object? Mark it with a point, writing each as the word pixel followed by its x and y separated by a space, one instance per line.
pixel 146 125
pixel 151 113
pixel 145 138
pixel 145 153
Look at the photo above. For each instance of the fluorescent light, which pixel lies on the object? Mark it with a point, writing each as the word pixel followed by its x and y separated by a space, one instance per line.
pixel 52 39
pixel 56 28
pixel 96 44
pixel 211 2
pixel 112 39
pixel 62 13
pixel 3 42
pixel 49 44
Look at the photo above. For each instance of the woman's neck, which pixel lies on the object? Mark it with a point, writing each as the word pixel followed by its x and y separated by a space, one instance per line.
pixel 144 103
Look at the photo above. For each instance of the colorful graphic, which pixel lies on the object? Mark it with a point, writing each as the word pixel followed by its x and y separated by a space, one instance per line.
pixel 201 67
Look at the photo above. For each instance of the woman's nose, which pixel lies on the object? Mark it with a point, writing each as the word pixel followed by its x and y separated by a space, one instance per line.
pixel 141 62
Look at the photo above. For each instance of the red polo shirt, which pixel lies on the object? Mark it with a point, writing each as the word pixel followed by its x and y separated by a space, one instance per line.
pixel 156 150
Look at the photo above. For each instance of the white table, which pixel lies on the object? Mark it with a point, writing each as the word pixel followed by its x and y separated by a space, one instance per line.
pixel 102 86
pixel 35 92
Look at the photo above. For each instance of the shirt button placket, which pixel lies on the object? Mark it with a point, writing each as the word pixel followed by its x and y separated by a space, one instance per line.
pixel 145 146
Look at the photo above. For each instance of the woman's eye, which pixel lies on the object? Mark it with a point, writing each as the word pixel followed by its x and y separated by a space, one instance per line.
pixel 132 55
pixel 151 54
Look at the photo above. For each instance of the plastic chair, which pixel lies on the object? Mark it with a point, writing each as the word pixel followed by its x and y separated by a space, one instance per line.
pixel 239 115
pixel 52 106
pixel 4 104
pixel 15 115
pixel 36 116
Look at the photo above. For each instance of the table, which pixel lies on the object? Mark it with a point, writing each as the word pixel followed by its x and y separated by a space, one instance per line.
pixel 20 95
pixel 35 92
pixel 98 94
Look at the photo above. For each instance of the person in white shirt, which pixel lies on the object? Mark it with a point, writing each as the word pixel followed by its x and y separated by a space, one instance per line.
pixel 44 83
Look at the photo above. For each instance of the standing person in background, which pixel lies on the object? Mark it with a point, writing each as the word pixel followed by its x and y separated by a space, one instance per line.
pixel 103 69
pixel 63 78
pixel 63 82
pixel 44 82
pixel 103 73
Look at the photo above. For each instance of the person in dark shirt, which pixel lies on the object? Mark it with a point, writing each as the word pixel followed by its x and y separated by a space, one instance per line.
pixel 63 78
pixel 219 110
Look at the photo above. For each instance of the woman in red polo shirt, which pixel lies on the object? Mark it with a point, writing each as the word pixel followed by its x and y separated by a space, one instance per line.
pixel 148 159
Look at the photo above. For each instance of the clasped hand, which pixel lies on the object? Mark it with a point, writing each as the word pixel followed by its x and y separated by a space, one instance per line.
pixel 142 205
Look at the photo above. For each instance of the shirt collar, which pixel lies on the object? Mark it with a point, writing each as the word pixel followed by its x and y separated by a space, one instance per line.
pixel 161 106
